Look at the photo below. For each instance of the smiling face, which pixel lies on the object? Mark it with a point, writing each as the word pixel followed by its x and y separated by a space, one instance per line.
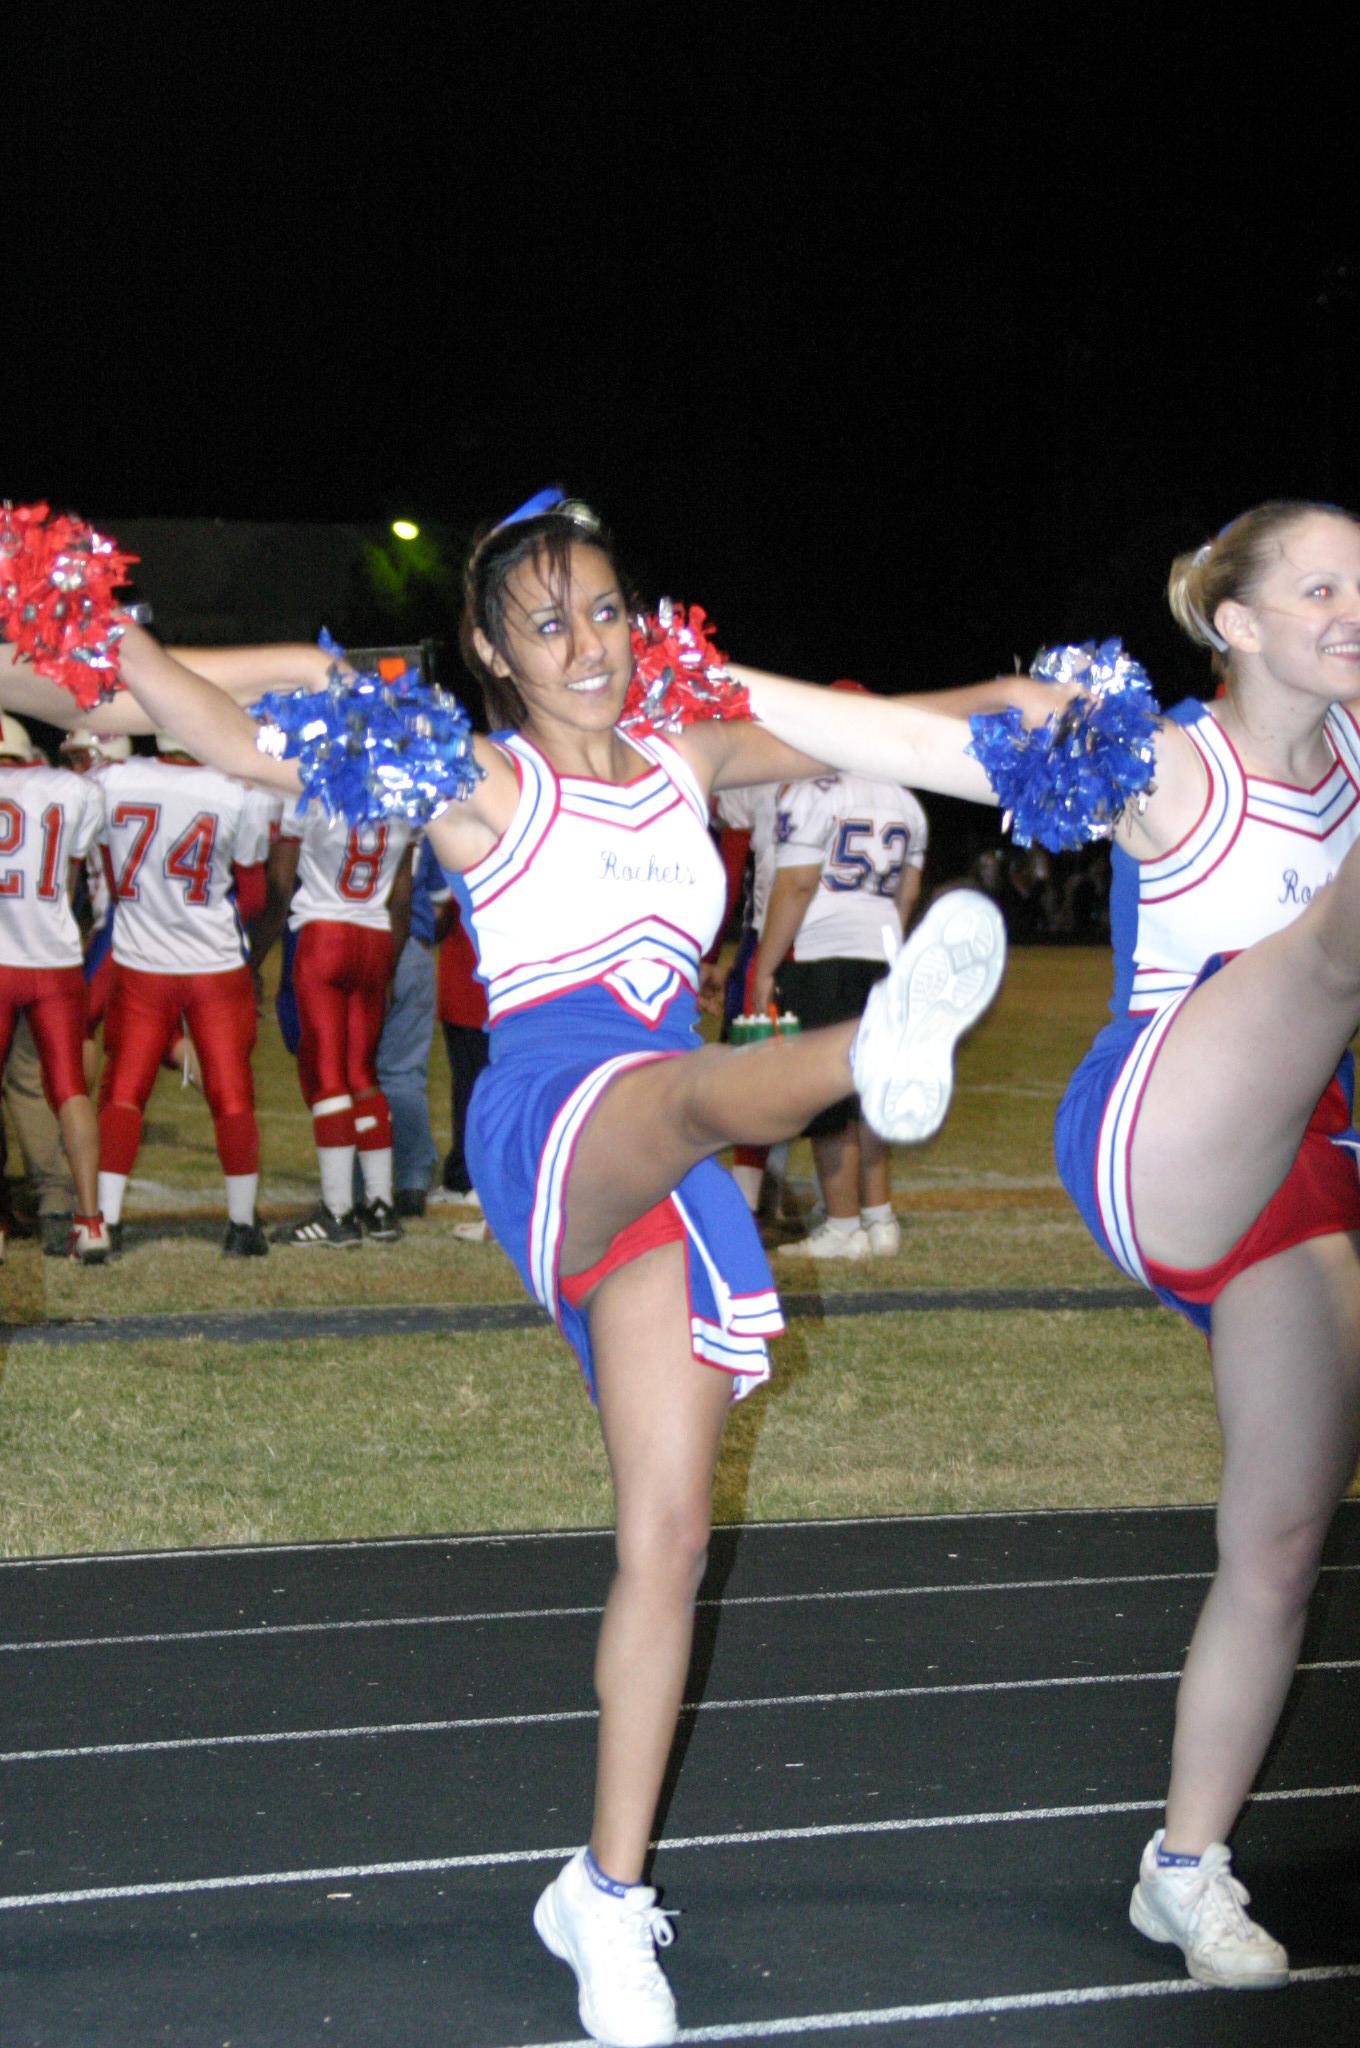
pixel 566 641
pixel 1300 625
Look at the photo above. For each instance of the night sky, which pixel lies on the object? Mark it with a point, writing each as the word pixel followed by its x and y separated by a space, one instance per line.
pixel 902 338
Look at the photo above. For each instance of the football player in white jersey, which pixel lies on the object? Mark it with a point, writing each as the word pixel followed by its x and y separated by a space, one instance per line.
pixel 849 857
pixel 173 830
pixel 88 753
pixel 49 819
pixel 335 883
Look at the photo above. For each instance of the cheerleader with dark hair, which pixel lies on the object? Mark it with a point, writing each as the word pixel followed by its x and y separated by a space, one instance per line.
pixel 582 859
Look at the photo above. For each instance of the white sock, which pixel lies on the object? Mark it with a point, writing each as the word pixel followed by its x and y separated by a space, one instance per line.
pixel 376 1168
pixel 337 1177
pixel 882 1212
pixel 112 1188
pixel 844 1226
pixel 242 1189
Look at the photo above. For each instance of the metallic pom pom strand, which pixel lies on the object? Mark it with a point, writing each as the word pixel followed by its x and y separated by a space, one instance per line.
pixel 368 748
pixel 680 674
pixel 1067 782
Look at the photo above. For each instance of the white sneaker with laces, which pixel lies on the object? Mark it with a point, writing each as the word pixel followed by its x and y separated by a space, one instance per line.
pixel 885 1238
pixel 611 1944
pixel 939 984
pixel 1203 1911
pixel 826 1243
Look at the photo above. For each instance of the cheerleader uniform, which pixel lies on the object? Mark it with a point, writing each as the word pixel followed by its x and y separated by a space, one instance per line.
pixel 1257 854
pixel 590 917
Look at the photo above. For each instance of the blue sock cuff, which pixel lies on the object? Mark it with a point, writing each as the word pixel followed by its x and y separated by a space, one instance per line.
pixel 601 1879
pixel 1170 1859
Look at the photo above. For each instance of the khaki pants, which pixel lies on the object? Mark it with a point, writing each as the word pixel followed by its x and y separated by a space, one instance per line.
pixel 36 1127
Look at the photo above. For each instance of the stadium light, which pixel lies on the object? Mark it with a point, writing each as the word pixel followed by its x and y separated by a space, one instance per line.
pixel 406 529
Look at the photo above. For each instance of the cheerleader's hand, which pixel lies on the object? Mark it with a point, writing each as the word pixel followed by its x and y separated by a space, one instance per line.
pixel 711 987
pixel 1068 780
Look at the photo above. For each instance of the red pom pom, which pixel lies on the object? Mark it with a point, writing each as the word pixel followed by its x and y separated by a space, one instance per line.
pixel 679 673
pixel 57 579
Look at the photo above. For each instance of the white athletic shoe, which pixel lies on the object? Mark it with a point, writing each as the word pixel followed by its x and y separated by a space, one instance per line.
pixel 938 985
pixel 1202 1910
pixel 826 1243
pixel 885 1238
pixel 88 1240
pixel 611 1944
pixel 473 1233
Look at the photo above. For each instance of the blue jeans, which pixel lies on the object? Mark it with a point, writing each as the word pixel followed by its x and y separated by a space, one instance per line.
pixel 404 1067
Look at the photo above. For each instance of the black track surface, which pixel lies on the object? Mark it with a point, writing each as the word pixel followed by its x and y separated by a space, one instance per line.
pixel 952 1733
pixel 277 1325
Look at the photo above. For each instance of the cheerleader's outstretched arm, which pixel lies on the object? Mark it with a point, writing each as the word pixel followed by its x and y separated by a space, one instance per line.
pixel 207 720
pixel 241 673
pixel 920 741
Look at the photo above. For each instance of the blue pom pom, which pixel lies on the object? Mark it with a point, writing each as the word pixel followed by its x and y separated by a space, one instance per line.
pixel 367 748
pixel 1067 782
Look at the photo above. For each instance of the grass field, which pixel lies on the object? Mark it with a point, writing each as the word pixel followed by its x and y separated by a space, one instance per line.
pixel 113 1444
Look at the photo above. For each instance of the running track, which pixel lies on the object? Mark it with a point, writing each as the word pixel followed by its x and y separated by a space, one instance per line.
pixel 283 1796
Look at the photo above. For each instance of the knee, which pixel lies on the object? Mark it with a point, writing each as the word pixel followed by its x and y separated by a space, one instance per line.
pixel 1275 1568
pixel 667 1547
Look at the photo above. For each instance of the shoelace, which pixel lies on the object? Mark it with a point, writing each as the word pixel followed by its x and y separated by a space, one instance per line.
pixel 649 1923
pixel 1217 1900
pixel 634 1931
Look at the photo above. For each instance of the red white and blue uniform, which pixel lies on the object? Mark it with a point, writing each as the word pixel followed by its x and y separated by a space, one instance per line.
pixel 343 960
pixel 174 829
pixel 48 818
pixel 1256 855
pixel 590 917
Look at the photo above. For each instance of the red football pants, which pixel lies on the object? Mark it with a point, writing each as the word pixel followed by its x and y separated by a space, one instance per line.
pixel 54 998
pixel 340 977
pixel 144 1016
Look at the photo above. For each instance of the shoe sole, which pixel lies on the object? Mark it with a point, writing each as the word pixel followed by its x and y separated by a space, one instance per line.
pixel 957 956
pixel 549 1932
pixel 1149 1921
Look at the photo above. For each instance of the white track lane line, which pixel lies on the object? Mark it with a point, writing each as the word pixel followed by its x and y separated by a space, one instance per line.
pixel 966 2008
pixel 465 1723
pixel 255 1630
pixel 493 1538
pixel 499 1859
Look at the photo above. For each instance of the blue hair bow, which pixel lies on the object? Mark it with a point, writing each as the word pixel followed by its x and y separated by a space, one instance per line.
pixel 546 500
